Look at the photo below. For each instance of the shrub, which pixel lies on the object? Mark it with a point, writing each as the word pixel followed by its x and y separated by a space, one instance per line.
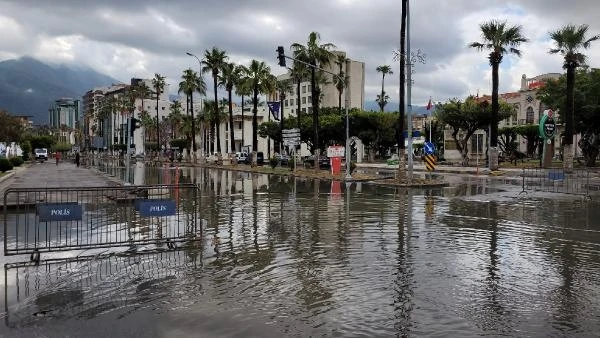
pixel 16 161
pixel 179 143
pixel 5 165
pixel 273 162
pixel 26 147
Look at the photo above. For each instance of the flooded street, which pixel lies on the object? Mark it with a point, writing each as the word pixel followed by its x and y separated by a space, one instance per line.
pixel 296 257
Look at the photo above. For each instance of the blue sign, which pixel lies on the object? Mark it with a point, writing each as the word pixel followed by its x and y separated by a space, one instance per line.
pixel 153 208
pixel 57 212
pixel 415 133
pixel 429 148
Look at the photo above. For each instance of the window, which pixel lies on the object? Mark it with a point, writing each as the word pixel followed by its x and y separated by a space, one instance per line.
pixel 309 88
pixel 310 100
pixel 162 108
pixel 477 144
pixel 304 100
pixel 529 115
pixel 303 89
pixel 303 110
pixel 291 102
pixel 310 110
pixel 285 103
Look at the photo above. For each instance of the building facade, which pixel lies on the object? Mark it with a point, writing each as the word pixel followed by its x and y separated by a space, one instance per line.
pixel 64 116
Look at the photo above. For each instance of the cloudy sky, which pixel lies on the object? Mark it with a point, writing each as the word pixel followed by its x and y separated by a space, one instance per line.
pixel 137 38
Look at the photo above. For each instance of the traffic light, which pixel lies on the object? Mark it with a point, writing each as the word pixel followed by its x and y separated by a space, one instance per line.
pixel 133 125
pixel 281 56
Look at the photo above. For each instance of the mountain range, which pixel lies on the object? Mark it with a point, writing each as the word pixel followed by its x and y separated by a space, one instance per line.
pixel 393 106
pixel 28 86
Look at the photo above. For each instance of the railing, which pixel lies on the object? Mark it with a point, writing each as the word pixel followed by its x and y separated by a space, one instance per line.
pixel 87 285
pixel 61 219
pixel 558 180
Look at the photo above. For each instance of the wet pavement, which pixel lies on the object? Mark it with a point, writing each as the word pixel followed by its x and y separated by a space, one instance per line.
pixel 285 256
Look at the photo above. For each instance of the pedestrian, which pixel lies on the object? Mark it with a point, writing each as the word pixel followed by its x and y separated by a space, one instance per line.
pixel 77 158
pixel 57 157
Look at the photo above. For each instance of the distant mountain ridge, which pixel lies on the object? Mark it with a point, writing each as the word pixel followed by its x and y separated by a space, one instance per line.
pixel 28 86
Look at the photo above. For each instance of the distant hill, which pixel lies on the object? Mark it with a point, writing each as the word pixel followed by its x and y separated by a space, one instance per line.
pixel 393 106
pixel 28 86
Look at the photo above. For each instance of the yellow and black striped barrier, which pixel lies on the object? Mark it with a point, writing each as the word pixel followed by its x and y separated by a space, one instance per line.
pixel 430 162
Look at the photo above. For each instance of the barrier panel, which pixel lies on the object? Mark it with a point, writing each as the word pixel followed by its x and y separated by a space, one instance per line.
pixel 557 180
pixel 60 219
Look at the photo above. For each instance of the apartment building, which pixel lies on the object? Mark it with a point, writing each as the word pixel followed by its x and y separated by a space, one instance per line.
pixel 330 94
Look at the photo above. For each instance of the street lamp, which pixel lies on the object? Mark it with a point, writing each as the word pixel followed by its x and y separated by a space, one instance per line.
pixel 194 120
pixel 281 56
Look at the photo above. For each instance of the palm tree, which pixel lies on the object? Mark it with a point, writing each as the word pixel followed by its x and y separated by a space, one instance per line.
pixel 158 82
pixel 175 117
pixel 213 62
pixel 499 39
pixel 243 90
pixel 283 87
pixel 338 82
pixel 402 58
pixel 192 82
pixel 298 72
pixel 383 69
pixel 569 40
pixel 258 77
pixel 316 55
pixel 228 78
pixel 382 99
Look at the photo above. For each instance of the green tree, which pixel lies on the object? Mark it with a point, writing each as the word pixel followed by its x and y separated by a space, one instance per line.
pixel 192 83
pixel 258 77
pixel 158 82
pixel 315 54
pixel 569 41
pixel 465 118
pixel 340 80
pixel 213 62
pixel 382 99
pixel 175 117
pixel 499 39
pixel 530 132
pixel 227 79
pixel 11 128
pixel 298 73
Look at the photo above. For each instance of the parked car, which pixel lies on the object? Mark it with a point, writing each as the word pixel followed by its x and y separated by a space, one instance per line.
pixel 324 162
pixel 284 159
pixel 241 157
pixel 41 154
pixel 260 158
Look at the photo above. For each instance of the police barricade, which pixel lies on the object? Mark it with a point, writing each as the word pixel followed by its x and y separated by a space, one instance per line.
pixel 558 180
pixel 38 220
pixel 85 286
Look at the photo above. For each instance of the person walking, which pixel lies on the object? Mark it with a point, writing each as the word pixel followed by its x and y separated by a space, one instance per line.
pixel 77 158
pixel 57 157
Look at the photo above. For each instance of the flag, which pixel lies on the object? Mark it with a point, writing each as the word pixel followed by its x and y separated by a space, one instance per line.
pixel 274 109
pixel 429 104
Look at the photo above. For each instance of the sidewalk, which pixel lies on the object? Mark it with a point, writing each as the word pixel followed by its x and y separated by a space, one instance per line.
pixel 447 169
pixel 50 175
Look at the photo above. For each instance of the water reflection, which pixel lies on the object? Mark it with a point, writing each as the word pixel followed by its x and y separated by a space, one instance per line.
pixel 283 256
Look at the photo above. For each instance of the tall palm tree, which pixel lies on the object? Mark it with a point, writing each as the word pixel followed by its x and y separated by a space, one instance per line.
pixel 258 77
pixel 384 70
pixel 299 73
pixel 402 99
pixel 213 62
pixel 382 99
pixel 158 82
pixel 242 89
pixel 283 87
pixel 569 40
pixel 191 82
pixel 228 78
pixel 175 117
pixel 317 55
pixel 499 39
pixel 337 81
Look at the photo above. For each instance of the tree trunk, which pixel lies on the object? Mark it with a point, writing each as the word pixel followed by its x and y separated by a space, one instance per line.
pixel 400 137
pixel 254 127
pixel 493 151
pixel 215 74
pixel 569 119
pixel 243 121
pixel 298 102
pixel 381 105
pixel 231 135
pixel 315 114
pixel 191 100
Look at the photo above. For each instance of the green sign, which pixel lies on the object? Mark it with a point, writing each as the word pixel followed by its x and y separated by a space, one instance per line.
pixel 547 127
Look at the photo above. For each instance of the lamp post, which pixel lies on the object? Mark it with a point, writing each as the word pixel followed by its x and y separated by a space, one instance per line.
pixel 193 119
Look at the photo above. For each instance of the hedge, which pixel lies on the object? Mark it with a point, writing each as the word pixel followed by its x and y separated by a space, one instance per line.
pixel 5 165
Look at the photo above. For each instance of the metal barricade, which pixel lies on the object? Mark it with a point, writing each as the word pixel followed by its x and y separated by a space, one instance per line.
pixel 557 180
pixel 38 220
pixel 86 285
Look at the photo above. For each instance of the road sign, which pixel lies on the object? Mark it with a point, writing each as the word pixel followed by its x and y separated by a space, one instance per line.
pixel 429 148
pixel 430 162
pixel 336 151
pixel 290 131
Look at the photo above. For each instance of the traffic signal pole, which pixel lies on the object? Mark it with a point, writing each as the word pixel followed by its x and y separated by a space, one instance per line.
pixel 281 57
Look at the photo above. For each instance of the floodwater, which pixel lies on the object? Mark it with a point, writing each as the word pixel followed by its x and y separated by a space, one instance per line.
pixel 295 257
